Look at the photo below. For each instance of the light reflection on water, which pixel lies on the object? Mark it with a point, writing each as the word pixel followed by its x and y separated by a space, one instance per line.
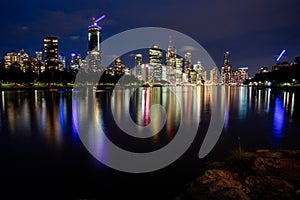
pixel 53 115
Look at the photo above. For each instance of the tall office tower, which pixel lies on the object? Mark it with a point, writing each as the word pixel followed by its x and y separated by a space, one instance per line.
pixel 94 45
pixel 178 71
pixel 155 61
pixel 226 58
pixel 171 62
pixel 187 62
pixel 138 66
pixel 226 70
pixel 215 76
pixel 51 53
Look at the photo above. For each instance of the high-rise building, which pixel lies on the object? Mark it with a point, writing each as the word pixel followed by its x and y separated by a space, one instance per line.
pixel 226 58
pixel 179 68
pixel 138 66
pixel 171 63
pixel 155 61
pixel 226 73
pixel 214 76
pixel 94 45
pixel 187 62
pixel 51 53
pixel 201 73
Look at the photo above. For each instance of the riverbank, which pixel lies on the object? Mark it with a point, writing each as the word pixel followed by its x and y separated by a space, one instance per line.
pixel 12 87
pixel 263 174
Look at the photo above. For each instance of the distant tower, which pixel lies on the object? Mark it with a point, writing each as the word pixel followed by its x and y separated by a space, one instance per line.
pixel 138 66
pixel 155 59
pixel 94 45
pixel 226 70
pixel 226 58
pixel 171 62
pixel 51 53
pixel 179 68
pixel 62 62
pixel 214 76
pixel 39 56
pixel 187 61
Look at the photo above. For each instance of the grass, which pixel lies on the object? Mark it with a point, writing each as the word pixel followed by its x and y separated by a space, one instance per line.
pixel 238 160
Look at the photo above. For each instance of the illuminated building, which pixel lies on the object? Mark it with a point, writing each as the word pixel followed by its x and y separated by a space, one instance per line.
pixel 10 59
pixel 242 75
pixel 119 68
pixel 138 66
pixel 51 53
pixel 23 59
pixel 214 76
pixel 155 61
pixel 179 68
pixel 187 62
pixel 226 70
pixel 264 69
pixel 145 72
pixel 201 73
pixel 193 76
pixel 164 73
pixel 39 55
pixel 171 62
pixel 76 62
pixel 94 45
pixel 62 62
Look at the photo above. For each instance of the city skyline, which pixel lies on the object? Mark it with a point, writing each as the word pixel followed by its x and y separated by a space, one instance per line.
pixel 254 32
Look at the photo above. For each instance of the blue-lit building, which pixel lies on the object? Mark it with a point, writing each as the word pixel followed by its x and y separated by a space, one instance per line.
pixel 94 46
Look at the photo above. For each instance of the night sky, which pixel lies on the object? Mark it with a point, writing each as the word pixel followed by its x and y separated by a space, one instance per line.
pixel 254 32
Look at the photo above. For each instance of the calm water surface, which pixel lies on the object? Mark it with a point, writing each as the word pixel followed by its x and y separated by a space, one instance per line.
pixel 41 151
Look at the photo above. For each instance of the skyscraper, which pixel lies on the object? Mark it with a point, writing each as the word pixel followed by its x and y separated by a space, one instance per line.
pixel 214 76
pixel 138 66
pixel 171 63
pixel 51 53
pixel 226 70
pixel 155 59
pixel 94 45
pixel 179 68
pixel 187 62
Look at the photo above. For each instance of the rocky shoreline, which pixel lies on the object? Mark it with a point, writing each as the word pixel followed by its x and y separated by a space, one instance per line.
pixel 263 174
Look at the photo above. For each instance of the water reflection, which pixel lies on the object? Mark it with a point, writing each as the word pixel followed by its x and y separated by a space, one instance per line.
pixel 55 115
pixel 278 121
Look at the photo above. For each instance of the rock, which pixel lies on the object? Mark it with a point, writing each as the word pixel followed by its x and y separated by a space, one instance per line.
pixel 231 194
pixel 217 184
pixel 269 154
pixel 268 175
pixel 268 187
